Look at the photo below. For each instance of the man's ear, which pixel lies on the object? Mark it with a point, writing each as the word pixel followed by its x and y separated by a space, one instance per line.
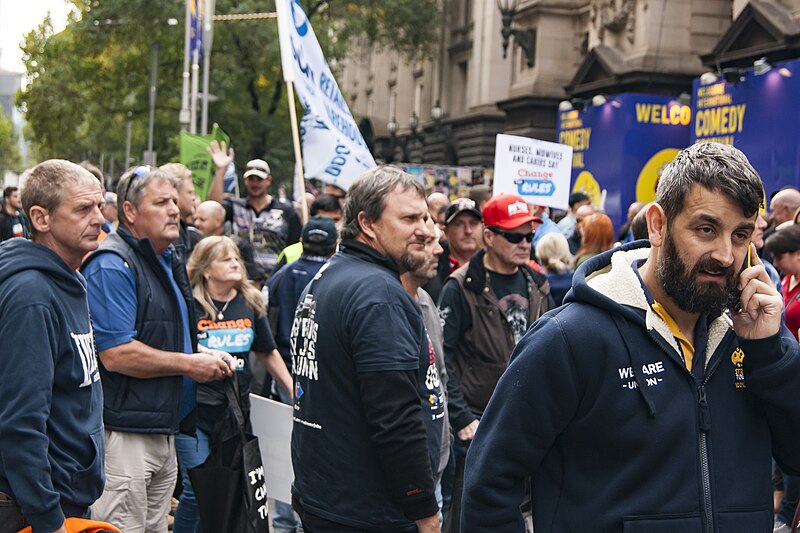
pixel 367 226
pixel 488 235
pixel 129 211
pixel 656 224
pixel 40 219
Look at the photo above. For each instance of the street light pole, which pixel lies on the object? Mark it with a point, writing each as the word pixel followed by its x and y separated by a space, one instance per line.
pixel 128 142
pixel 150 156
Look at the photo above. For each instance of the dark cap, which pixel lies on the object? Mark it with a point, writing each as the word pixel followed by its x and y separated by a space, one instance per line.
pixel 320 230
pixel 459 206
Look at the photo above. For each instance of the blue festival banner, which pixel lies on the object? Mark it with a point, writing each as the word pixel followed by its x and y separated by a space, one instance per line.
pixel 759 115
pixel 621 146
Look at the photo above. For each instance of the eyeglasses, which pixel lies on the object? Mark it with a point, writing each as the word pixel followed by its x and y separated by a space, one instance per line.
pixel 514 238
pixel 138 172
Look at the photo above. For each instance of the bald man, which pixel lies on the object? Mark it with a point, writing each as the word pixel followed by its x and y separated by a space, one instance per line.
pixel 436 203
pixel 784 204
pixel 210 218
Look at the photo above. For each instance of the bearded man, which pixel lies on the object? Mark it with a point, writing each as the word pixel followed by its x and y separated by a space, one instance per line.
pixel 656 397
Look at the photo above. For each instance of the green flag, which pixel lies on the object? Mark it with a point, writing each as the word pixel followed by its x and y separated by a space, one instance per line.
pixel 194 154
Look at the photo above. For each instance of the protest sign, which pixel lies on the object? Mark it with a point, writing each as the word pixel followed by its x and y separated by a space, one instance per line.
pixel 539 171
pixel 194 154
pixel 272 424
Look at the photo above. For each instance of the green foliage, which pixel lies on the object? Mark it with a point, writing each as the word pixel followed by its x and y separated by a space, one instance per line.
pixel 10 158
pixel 87 81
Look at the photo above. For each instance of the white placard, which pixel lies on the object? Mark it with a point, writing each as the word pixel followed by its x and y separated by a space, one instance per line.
pixel 539 171
pixel 272 424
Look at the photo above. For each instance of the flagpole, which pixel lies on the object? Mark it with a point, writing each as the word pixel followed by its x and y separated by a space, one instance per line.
pixel 297 153
pixel 208 37
pixel 184 115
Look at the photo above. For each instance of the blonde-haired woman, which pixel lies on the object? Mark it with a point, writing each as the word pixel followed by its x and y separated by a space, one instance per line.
pixel 552 251
pixel 232 319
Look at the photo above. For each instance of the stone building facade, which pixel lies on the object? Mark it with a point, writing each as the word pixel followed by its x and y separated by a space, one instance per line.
pixel 579 49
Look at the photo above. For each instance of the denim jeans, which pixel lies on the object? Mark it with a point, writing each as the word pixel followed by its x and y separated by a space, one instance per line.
pixel 285 520
pixel 11 519
pixel 791 494
pixel 192 451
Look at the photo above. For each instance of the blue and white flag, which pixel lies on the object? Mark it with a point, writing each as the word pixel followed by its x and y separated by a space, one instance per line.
pixel 196 12
pixel 333 149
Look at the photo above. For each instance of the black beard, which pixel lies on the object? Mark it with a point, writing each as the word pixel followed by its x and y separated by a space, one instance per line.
pixel 682 287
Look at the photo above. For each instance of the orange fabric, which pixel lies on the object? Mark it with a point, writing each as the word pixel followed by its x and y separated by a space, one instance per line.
pixel 81 525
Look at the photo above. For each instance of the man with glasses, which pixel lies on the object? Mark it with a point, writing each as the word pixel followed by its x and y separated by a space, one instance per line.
pixel 261 220
pixel 486 306
pixel 142 309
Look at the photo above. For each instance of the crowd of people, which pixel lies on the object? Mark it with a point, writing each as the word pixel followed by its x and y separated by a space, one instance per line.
pixel 468 364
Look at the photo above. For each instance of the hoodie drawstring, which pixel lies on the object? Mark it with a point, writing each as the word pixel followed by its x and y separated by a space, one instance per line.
pixel 637 375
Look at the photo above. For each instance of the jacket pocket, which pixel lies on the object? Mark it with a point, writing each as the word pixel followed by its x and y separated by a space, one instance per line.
pixel 90 480
pixel 478 382
pixel 744 521
pixel 663 523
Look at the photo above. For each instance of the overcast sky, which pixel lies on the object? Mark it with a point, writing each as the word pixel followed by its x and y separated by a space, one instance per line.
pixel 18 17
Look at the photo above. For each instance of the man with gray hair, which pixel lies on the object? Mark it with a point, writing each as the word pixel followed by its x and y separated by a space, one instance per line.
pixel 359 448
pixel 657 396
pixel 142 307
pixel 51 448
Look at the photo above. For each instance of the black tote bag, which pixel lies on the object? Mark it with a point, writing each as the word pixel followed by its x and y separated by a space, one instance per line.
pixel 230 485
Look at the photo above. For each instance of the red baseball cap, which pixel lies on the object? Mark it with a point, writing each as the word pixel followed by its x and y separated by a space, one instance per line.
pixel 507 211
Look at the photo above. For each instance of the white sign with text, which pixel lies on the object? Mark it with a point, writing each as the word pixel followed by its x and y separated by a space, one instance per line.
pixel 539 171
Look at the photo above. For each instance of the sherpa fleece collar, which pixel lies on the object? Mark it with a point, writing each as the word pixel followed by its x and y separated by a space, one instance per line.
pixel 618 282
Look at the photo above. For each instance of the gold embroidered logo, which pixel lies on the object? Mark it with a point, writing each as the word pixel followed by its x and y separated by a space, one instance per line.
pixel 737 358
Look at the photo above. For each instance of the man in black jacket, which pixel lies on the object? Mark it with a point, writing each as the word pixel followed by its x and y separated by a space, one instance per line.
pixel 141 303
pixel 359 448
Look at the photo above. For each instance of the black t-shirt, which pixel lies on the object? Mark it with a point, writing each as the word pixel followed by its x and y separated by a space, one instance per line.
pixel 268 231
pixel 512 293
pixel 357 321
pixel 12 226
pixel 238 332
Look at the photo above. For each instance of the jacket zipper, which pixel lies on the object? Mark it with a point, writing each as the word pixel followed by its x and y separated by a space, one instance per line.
pixel 704 466
pixel 704 427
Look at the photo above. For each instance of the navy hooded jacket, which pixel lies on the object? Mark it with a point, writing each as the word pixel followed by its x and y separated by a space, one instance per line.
pixel 598 410
pixel 51 403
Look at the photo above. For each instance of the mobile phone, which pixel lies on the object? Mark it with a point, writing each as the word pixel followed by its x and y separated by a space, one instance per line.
pixel 746 264
pixel 749 262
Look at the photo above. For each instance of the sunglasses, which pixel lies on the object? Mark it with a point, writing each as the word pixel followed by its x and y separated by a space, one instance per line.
pixel 138 172
pixel 513 238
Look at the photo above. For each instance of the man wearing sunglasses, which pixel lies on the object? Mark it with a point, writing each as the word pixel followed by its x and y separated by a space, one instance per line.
pixel 486 306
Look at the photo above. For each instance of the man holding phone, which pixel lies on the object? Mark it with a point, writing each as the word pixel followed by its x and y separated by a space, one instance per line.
pixel 655 399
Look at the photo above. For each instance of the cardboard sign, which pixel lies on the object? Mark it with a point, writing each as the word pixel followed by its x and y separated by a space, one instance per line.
pixel 539 171
pixel 272 423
